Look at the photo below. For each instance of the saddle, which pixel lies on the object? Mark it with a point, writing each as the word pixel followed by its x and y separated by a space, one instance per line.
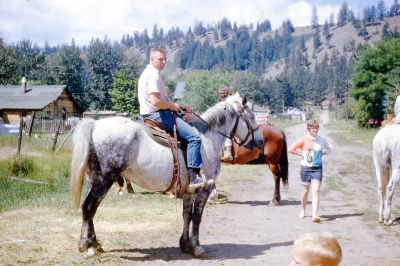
pixel 158 134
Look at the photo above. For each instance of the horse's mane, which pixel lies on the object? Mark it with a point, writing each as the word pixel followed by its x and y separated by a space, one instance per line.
pixel 216 116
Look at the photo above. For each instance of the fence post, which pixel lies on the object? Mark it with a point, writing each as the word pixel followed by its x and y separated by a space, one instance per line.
pixel 31 124
pixel 56 135
pixel 21 124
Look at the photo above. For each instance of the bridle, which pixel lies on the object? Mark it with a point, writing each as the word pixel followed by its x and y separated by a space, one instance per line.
pixel 231 136
pixel 250 130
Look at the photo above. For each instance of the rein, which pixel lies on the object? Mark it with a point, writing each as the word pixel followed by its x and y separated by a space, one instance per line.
pixel 232 134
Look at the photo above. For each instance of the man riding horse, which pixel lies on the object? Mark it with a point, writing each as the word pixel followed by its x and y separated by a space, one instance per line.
pixel 156 105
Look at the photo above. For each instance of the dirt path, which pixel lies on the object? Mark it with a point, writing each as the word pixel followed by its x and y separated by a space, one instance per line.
pixel 242 231
pixel 245 231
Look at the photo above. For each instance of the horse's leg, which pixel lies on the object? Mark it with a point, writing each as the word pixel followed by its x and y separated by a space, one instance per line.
pixel 184 241
pixel 129 187
pixel 198 208
pixel 88 241
pixel 275 175
pixel 389 195
pixel 213 199
pixel 381 191
pixel 119 184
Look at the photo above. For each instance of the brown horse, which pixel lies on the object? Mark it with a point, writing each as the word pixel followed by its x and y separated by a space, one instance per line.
pixel 274 154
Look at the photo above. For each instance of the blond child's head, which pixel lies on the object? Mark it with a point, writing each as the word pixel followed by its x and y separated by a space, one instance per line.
pixel 315 249
pixel 312 124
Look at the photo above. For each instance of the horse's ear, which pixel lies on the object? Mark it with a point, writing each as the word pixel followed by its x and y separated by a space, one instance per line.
pixel 244 101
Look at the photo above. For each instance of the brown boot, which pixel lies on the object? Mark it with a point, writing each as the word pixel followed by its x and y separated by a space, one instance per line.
pixel 195 180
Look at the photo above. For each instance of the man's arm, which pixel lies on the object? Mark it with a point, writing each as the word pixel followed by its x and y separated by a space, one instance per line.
pixel 159 103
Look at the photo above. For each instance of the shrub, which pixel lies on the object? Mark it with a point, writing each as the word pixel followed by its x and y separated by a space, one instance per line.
pixel 21 165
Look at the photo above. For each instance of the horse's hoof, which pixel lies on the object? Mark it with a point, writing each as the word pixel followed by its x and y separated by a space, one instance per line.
pixel 388 222
pixel 380 220
pixel 273 203
pixel 185 246
pixel 209 182
pixel 199 252
pixel 91 252
pixel 214 201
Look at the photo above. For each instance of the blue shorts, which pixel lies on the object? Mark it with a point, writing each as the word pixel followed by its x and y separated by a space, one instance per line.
pixel 310 174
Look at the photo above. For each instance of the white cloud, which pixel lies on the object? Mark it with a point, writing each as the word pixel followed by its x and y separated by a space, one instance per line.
pixel 58 21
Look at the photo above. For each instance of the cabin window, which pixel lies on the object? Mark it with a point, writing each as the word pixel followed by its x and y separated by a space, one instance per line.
pixel 64 113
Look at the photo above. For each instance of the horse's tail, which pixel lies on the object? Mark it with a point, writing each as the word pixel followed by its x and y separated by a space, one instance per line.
pixel 80 155
pixel 284 162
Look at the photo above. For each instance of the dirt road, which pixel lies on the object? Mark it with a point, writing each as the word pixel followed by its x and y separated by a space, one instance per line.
pixel 245 231
pixel 241 231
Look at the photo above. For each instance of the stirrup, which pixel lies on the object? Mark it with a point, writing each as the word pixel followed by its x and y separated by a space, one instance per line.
pixel 192 187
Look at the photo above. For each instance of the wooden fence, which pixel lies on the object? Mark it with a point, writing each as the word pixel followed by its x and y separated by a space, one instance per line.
pixel 49 125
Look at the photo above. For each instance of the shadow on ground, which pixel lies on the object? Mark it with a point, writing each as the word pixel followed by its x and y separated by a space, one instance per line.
pixel 340 216
pixel 261 203
pixel 221 251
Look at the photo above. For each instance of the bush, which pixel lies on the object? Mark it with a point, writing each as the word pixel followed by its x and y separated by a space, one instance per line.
pixel 360 113
pixel 21 166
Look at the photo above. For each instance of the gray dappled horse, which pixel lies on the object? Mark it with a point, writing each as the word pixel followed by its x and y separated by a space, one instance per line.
pixel 112 147
pixel 386 155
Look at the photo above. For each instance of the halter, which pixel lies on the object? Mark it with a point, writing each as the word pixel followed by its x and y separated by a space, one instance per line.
pixel 250 130
pixel 243 115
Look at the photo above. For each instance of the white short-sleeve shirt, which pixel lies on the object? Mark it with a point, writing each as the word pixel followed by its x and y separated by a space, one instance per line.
pixel 150 81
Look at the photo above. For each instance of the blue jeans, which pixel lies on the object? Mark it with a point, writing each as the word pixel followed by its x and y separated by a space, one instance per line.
pixel 185 132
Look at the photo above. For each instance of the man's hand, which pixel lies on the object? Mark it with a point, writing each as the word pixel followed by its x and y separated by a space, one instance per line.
pixel 186 109
pixel 175 107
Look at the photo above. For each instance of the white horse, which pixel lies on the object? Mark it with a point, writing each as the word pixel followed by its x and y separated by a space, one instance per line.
pixel 386 154
pixel 109 148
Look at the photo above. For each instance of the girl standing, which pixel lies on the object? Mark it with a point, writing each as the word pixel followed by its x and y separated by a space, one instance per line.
pixel 311 147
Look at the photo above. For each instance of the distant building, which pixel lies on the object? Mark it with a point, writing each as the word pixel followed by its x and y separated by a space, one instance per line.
pixel 54 100
pixel 296 114
pixel 179 90
pixel 262 113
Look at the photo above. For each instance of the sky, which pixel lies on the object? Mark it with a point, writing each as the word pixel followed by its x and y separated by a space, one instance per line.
pixel 60 21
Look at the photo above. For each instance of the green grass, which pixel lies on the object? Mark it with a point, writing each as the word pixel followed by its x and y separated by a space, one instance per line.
pixel 347 132
pixel 34 178
pixel 285 123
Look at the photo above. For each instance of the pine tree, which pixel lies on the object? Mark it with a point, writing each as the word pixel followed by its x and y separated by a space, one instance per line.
pixel 317 39
pixel 325 31
pixel 343 15
pixel 381 10
pixel 331 20
pixel 386 33
pixel 363 30
pixel 395 8
pixel 314 18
